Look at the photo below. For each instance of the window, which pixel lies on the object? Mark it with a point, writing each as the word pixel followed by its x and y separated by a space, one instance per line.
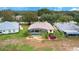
pixel 0 31
pixel 9 30
pixel 50 30
pixel 3 30
pixel 31 30
pixel 36 30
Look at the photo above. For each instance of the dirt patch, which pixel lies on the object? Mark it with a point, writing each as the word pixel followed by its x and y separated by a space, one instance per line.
pixel 10 41
pixel 40 45
pixel 57 45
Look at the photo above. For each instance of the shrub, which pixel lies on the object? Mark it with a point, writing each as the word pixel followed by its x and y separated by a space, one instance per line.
pixel 59 34
pixel 44 34
pixel 25 34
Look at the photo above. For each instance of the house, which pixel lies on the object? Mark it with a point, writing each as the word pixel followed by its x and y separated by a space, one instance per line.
pixel 68 28
pixel 1 18
pixel 38 27
pixel 9 27
pixel 18 17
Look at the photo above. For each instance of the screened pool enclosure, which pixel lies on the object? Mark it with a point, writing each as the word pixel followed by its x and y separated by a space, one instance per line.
pixel 68 28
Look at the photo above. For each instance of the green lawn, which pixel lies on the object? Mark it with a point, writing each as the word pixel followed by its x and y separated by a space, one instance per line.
pixel 21 34
pixel 18 47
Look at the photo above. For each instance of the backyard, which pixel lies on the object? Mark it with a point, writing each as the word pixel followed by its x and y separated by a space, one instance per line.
pixel 19 42
pixel 18 35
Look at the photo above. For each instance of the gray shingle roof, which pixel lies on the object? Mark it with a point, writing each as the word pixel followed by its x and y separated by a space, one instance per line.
pixel 9 25
pixel 41 25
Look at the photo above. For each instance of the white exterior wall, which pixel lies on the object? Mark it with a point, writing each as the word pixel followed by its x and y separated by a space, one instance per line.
pixel 6 32
pixel 50 32
pixel 16 30
pixel 9 27
pixel 9 31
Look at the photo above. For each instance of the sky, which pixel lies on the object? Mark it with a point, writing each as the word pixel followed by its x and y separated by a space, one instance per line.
pixel 37 8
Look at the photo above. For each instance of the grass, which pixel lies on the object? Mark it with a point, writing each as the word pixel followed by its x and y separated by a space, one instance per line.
pixel 30 46
pixel 21 47
pixel 45 35
pixel 59 34
pixel 21 34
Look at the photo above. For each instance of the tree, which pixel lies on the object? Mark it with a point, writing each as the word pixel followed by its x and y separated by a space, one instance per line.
pixel 7 15
pixel 70 13
pixel 49 17
pixel 30 17
pixel 65 18
pixel 43 11
pixel 76 18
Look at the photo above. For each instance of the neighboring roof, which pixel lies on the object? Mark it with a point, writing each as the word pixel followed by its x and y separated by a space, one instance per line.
pixel 68 27
pixel 65 26
pixel 9 25
pixel 41 25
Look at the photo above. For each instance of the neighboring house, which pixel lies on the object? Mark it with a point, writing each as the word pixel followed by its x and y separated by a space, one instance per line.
pixel 38 27
pixel 9 27
pixel 68 28
pixel 1 18
pixel 18 17
pixel 39 17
